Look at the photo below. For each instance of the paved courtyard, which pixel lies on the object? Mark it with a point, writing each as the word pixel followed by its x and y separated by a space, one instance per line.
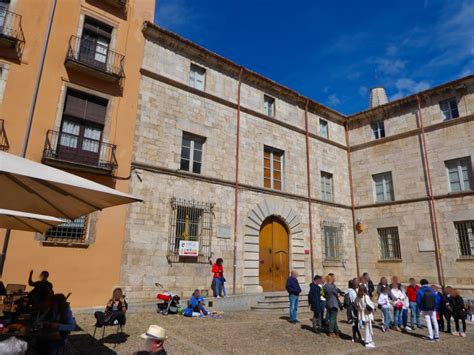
pixel 254 333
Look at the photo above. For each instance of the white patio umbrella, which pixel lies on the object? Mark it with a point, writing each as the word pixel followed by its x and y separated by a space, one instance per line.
pixel 27 221
pixel 32 187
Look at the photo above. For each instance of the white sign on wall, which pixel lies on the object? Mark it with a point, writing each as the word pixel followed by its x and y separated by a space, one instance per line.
pixel 188 248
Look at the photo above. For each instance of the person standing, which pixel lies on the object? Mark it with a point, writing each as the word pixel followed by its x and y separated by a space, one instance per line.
pixel 384 303
pixel 351 308
pixel 397 297
pixel 331 293
pixel 412 291
pixel 459 311
pixel 294 290
pixel 365 309
pixel 218 278
pixel 369 285
pixel 314 300
pixel 427 302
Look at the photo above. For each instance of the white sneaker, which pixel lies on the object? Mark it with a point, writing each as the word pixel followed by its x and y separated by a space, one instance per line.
pixel 455 334
pixel 370 345
pixel 408 328
pixel 218 297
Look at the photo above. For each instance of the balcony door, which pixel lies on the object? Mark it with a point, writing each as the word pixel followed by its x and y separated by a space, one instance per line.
pixel 80 138
pixel 95 42
pixel 4 4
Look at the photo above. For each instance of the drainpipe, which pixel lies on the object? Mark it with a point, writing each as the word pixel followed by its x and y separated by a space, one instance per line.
pixel 351 185
pixel 236 196
pixel 434 218
pixel 308 176
pixel 29 123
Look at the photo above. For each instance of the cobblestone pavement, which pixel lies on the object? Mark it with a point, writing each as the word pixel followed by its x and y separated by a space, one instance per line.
pixel 255 333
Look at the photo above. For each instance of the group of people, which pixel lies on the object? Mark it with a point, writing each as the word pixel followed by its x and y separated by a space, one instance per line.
pixel 361 300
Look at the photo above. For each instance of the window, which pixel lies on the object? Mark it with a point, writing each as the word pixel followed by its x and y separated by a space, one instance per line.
pixel 459 174
pixel 449 109
pixel 70 232
pixel 197 76
pixel 191 153
pixel 269 105
pixel 332 243
pixel 323 128
pixel 95 42
pixel 383 186
pixel 326 186
pixel 378 129
pixel 465 236
pixel 272 168
pixel 81 128
pixel 190 221
pixel 389 243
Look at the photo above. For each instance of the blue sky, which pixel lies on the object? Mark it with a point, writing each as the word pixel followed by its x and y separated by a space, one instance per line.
pixel 335 51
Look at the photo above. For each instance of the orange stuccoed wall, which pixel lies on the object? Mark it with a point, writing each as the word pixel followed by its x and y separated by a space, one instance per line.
pixel 88 273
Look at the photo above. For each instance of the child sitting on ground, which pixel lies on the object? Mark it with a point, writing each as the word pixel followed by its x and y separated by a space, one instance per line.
pixel 197 303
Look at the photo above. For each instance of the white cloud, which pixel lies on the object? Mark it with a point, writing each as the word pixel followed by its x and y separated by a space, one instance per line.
pixel 391 50
pixel 407 86
pixel 333 100
pixel 363 91
pixel 390 66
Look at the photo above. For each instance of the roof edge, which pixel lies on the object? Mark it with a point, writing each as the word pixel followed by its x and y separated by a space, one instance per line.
pixel 149 28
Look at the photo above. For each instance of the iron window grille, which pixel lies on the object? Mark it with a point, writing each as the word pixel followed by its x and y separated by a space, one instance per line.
pixel 190 220
pixel 332 241
pixel 389 243
pixel 465 238
pixel 378 129
pixel 449 109
pixel 71 232
pixel 459 174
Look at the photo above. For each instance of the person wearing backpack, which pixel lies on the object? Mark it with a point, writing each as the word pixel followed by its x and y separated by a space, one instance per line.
pixel 427 302
pixel 351 309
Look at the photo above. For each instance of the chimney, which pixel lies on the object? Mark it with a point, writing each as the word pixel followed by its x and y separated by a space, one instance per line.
pixel 378 97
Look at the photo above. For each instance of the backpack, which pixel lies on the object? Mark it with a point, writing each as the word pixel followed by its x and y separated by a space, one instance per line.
pixel 428 301
pixel 347 301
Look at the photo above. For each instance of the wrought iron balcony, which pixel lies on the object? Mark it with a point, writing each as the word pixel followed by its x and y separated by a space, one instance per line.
pixel 3 137
pixel 82 153
pixel 96 58
pixel 11 32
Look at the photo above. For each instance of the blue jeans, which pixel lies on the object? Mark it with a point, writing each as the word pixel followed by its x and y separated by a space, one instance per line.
pixel 397 318
pixel 414 310
pixel 405 317
pixel 218 285
pixel 386 317
pixel 293 307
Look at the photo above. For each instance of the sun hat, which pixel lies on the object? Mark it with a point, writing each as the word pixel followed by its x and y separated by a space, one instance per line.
pixel 155 332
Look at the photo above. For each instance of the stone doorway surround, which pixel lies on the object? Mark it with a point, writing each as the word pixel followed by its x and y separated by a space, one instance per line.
pixel 255 218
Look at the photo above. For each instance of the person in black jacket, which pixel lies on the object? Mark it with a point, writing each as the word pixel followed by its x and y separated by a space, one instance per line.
pixel 294 290
pixel 314 300
pixel 458 311
pixel 369 285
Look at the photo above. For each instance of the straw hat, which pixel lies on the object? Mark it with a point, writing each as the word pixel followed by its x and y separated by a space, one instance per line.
pixel 155 332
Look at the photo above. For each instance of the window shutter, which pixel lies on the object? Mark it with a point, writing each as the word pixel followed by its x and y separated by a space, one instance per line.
pixel 75 105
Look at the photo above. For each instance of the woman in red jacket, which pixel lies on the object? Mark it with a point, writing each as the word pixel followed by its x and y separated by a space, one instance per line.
pixel 218 278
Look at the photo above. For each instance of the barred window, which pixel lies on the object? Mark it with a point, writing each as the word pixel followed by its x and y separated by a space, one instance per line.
pixel 332 236
pixel 465 236
pixel 74 231
pixel 389 243
pixel 190 221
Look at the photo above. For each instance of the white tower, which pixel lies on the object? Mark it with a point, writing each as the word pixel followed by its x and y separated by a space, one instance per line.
pixel 378 97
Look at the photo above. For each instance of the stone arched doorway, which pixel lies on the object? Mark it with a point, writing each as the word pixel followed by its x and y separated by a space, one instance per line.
pixel 274 250
pixel 256 218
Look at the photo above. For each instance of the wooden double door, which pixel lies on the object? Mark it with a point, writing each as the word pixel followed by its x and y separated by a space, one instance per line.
pixel 274 255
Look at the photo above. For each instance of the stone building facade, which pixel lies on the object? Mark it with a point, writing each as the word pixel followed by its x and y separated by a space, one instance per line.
pixel 223 154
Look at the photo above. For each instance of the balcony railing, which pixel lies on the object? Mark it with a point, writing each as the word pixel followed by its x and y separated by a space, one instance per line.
pixel 3 137
pixel 95 56
pixel 116 3
pixel 64 149
pixel 11 31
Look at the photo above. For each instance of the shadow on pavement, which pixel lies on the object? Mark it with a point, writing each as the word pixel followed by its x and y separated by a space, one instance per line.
pixel 87 344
